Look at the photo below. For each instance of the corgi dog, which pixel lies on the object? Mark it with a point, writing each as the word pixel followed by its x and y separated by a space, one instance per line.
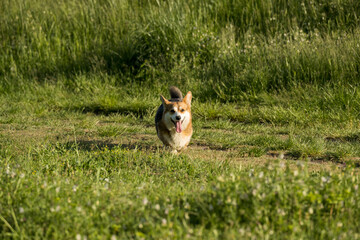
pixel 173 120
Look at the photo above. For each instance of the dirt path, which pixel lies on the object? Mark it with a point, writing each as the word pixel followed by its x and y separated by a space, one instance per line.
pixel 89 140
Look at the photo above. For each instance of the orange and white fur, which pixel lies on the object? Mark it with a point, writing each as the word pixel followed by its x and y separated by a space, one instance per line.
pixel 173 120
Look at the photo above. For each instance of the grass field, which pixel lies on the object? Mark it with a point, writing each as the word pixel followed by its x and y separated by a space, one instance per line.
pixel 276 145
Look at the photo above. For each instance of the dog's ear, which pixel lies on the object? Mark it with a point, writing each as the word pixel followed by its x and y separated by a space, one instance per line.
pixel 164 100
pixel 187 98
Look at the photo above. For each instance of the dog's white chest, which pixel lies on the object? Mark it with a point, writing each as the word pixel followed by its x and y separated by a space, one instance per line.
pixel 178 140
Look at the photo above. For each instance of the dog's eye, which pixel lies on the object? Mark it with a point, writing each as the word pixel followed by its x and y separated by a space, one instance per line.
pixel 172 111
pixel 182 110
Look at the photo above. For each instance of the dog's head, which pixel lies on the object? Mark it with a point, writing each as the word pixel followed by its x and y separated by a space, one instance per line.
pixel 177 114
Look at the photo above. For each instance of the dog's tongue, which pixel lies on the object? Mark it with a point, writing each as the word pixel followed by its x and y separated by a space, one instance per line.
pixel 178 126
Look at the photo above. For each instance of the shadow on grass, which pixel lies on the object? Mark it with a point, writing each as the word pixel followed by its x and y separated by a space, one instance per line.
pixel 97 109
pixel 354 137
pixel 126 57
pixel 93 145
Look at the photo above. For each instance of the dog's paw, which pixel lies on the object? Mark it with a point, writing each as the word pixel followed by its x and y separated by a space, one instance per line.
pixel 174 151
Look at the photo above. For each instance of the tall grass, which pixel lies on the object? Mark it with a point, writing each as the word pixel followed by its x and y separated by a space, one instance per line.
pixel 221 47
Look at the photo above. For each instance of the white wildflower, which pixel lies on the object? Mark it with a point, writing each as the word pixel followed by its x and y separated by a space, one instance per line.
pixel 254 192
pixel 281 212
pixel 323 179
pixel 311 211
pixel 163 222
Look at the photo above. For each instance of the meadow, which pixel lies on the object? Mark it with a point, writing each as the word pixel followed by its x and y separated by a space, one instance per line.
pixel 276 147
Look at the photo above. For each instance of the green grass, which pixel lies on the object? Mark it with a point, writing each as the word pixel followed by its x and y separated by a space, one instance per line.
pixel 61 191
pixel 275 151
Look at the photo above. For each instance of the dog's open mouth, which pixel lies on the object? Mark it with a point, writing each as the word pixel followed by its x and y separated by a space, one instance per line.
pixel 178 125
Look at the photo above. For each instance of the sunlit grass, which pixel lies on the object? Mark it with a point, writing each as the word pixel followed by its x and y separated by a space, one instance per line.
pixel 275 150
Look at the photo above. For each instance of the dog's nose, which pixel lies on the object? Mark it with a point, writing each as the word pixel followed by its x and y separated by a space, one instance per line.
pixel 178 118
